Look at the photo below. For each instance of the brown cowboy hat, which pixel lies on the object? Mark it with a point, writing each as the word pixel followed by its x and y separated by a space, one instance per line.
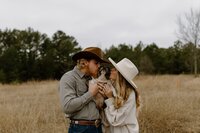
pixel 90 53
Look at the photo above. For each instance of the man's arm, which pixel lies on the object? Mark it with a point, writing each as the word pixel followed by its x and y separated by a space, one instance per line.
pixel 70 102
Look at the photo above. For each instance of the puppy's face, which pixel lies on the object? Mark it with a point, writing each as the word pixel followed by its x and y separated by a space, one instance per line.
pixel 104 72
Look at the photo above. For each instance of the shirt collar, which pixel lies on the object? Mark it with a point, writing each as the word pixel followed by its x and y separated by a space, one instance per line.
pixel 81 74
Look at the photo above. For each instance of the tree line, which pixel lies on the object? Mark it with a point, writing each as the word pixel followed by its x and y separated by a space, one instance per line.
pixel 31 55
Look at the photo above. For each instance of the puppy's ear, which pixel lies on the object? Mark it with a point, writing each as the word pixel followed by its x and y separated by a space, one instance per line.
pixel 99 71
pixel 101 68
pixel 107 75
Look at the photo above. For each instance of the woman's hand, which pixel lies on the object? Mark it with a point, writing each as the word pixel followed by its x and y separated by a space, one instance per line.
pixel 101 86
pixel 105 90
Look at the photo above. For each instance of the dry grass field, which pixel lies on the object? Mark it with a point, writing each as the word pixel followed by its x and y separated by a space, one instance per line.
pixel 170 104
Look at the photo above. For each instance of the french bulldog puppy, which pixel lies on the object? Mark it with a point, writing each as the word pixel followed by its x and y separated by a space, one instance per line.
pixel 103 78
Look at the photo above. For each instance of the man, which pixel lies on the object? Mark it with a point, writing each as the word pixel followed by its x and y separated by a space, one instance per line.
pixel 77 94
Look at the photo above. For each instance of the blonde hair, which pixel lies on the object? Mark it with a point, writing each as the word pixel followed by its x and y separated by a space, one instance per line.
pixel 123 90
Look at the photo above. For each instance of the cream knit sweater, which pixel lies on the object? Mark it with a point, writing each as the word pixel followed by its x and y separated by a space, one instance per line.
pixel 122 120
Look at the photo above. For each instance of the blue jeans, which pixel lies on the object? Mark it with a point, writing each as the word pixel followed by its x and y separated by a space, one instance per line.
pixel 75 128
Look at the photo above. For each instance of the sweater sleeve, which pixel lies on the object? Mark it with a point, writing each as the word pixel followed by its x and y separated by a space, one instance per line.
pixel 117 117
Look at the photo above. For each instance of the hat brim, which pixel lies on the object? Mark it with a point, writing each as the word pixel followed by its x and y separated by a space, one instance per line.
pixel 118 69
pixel 88 55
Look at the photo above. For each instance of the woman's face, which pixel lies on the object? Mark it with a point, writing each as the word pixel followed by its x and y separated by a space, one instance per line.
pixel 113 74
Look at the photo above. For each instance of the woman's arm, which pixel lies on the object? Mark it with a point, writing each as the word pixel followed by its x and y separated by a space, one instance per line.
pixel 117 117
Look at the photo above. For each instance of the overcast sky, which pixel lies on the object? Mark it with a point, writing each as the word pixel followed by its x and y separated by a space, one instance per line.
pixel 99 23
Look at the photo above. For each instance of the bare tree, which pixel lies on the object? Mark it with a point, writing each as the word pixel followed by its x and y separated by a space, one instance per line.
pixel 189 31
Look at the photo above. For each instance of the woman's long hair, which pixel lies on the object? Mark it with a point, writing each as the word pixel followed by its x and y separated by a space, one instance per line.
pixel 123 90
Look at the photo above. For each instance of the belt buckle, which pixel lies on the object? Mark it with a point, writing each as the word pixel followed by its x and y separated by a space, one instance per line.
pixel 74 122
pixel 97 122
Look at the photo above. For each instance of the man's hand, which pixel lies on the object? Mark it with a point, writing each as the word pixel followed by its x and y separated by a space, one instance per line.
pixel 93 87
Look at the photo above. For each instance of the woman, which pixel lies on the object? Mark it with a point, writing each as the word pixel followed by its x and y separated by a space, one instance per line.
pixel 121 108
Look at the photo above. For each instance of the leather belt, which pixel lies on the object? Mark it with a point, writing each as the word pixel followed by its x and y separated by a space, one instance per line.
pixel 86 122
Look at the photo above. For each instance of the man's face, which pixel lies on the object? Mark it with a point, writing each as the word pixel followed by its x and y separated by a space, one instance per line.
pixel 93 67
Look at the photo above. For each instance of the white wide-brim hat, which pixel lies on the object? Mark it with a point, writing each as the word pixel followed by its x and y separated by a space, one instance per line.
pixel 127 69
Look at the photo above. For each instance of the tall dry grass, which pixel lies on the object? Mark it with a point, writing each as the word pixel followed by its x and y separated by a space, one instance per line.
pixel 31 107
pixel 170 104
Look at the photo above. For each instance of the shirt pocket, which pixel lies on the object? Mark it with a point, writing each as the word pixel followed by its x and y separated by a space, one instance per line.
pixel 81 89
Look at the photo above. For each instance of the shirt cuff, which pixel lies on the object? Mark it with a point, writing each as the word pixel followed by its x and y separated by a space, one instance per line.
pixel 87 97
pixel 109 101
